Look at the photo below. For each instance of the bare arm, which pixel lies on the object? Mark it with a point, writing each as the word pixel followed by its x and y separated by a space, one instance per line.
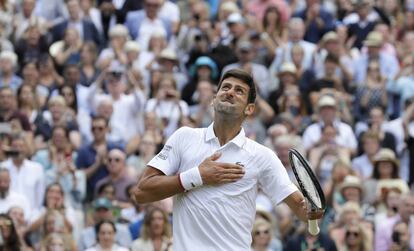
pixel 297 204
pixel 155 185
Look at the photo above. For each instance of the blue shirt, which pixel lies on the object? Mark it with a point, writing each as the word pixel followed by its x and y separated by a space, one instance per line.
pixel 313 32
pixel 15 82
pixel 86 157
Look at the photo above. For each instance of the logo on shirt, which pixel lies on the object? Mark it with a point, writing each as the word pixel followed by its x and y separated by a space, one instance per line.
pixel 164 152
pixel 239 164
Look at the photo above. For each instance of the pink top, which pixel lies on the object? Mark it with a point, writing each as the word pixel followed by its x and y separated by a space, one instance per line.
pixel 258 8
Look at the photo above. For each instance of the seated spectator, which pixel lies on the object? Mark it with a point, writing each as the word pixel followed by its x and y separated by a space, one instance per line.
pixel 11 239
pixel 167 105
pixel 88 71
pixel 118 174
pixel 8 67
pixel 72 220
pixel 105 237
pixel 53 242
pixel 363 165
pixel 401 236
pixel 118 36
pixel 58 162
pixel 32 46
pixel 9 198
pixel 372 93
pixel 262 236
pixel 103 212
pixel 67 50
pixel 141 152
pixel 385 175
pixel 356 238
pixel 155 233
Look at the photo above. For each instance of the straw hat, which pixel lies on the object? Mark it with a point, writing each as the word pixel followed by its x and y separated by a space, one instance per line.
pixel 385 154
pixel 288 68
pixel 374 39
pixel 351 181
pixel 118 30
pixel 330 36
pixel 326 100
pixel 168 54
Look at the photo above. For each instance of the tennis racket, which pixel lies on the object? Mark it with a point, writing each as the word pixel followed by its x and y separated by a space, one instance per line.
pixel 309 186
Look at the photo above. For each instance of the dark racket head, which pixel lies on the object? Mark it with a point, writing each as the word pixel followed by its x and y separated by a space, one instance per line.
pixel 308 183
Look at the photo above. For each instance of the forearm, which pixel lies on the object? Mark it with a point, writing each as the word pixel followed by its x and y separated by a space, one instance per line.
pixel 157 186
pixel 295 201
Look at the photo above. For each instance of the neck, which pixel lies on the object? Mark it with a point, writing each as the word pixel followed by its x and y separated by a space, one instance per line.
pixel 258 247
pixel 98 142
pixel 117 175
pixel 353 248
pixel 106 246
pixel 18 162
pixel 226 129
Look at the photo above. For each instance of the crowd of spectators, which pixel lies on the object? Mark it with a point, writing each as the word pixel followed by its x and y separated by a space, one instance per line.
pixel 91 89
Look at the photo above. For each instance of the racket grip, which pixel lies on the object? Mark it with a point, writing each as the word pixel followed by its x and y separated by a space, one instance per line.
pixel 313 227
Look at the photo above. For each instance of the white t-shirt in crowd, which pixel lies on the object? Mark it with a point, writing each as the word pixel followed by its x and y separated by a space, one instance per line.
pixel 220 217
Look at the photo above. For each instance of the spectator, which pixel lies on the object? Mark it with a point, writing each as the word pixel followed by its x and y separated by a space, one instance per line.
pixel 92 156
pixel 274 30
pixel 141 150
pixel 27 176
pixel 8 67
pixel 9 198
pixel 117 175
pixel 155 233
pixel 32 45
pixel 106 231
pixel 318 20
pixel 86 29
pixel 140 23
pixel 88 71
pixel 401 237
pixel 363 164
pixel 356 238
pixel 262 235
pixel 103 213
pixel 167 105
pixel 25 18
pixel 327 116
pixel 118 36
pixel 202 112
pixel 67 50
pixel 11 240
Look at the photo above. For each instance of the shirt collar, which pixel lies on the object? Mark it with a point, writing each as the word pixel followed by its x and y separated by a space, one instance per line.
pixel 239 140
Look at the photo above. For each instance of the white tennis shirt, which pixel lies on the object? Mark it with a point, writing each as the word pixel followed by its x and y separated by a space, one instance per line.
pixel 220 217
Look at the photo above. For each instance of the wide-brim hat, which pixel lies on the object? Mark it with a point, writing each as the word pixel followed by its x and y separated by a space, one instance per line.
pixel 386 154
pixel 351 181
pixel 326 101
pixel 374 39
pixel 287 68
pixel 168 54
pixel 204 61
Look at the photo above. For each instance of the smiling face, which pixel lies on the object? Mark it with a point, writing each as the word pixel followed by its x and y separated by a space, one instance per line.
pixel 232 99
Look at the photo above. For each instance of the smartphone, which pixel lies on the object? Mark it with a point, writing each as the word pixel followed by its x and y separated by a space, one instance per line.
pixel 396 237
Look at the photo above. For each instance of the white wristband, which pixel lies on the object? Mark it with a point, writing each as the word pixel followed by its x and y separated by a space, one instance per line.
pixel 191 179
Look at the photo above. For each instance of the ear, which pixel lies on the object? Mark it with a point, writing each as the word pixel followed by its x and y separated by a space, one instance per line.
pixel 249 110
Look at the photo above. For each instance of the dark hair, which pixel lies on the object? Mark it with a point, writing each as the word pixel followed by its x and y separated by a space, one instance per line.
pixel 105 185
pixel 99 117
pixel 13 242
pixel 99 225
pixel 332 58
pixel 245 78
pixel 394 174
pixel 278 24
pixel 47 190
pixel 74 104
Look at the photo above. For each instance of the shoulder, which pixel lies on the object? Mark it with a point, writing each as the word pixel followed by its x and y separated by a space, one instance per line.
pixel 258 150
pixel 133 15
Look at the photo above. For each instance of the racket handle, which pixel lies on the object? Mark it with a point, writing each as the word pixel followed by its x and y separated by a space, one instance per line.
pixel 313 227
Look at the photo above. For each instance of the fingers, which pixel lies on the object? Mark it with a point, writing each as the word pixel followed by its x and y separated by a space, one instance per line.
pixel 215 156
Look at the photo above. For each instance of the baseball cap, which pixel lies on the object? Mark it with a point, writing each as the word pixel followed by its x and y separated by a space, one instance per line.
pixel 102 203
pixel 244 45
pixel 326 100
pixel 236 18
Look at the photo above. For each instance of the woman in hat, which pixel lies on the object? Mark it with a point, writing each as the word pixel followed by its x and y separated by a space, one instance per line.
pixel 204 68
pixel 385 176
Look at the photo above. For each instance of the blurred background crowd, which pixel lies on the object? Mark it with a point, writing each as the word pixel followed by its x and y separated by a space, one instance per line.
pixel 91 89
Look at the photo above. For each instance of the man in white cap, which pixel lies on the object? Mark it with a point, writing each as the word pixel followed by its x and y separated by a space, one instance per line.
pixel 327 108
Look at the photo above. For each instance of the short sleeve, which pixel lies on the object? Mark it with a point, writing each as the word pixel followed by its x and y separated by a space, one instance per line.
pixel 274 180
pixel 168 159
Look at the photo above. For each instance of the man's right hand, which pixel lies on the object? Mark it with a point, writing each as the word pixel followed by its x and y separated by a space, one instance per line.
pixel 215 173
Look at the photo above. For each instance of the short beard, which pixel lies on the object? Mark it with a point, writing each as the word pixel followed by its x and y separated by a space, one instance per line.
pixel 3 194
pixel 225 110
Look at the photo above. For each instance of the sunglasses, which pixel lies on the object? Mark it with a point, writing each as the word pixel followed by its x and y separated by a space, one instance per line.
pixel 114 159
pixel 261 232
pixel 349 233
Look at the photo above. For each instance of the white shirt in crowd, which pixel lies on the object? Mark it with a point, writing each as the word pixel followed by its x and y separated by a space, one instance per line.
pixel 220 217
pixel 345 136
pixel 28 180
pixel 16 199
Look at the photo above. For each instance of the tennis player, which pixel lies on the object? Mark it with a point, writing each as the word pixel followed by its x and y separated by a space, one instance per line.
pixel 215 174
